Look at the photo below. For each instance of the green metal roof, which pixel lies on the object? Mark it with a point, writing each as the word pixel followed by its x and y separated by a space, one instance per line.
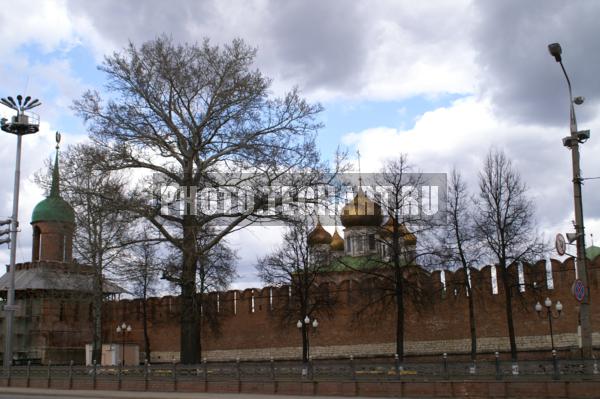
pixel 53 208
pixel 592 252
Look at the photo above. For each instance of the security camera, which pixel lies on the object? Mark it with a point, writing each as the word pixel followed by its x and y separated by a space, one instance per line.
pixel 579 100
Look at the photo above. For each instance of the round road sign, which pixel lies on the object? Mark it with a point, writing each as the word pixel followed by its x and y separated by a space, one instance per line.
pixel 560 244
pixel 579 290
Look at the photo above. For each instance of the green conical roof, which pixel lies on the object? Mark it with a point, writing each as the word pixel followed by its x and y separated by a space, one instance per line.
pixel 53 208
pixel 592 252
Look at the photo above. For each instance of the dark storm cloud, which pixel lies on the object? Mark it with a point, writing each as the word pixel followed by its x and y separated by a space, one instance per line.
pixel 311 43
pixel 120 21
pixel 322 41
pixel 523 80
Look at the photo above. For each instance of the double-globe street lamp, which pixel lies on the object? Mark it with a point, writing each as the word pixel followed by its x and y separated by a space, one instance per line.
pixel 572 141
pixel 21 124
pixel 123 329
pixel 550 314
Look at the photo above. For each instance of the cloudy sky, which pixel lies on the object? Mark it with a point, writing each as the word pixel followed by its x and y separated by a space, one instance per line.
pixel 442 81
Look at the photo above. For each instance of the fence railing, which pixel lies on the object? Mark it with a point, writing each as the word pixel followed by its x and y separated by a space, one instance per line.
pixel 318 370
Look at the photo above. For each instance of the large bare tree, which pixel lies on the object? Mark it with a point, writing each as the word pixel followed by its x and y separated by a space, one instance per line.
pixel 505 224
pixel 185 113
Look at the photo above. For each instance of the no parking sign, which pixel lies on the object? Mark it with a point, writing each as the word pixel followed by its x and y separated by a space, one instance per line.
pixel 578 290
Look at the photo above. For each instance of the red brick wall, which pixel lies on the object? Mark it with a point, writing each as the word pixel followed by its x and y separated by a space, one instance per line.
pixel 443 316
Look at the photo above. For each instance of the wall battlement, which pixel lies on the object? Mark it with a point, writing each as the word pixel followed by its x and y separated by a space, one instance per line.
pixel 253 322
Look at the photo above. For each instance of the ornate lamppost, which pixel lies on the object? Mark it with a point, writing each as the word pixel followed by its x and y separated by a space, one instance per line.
pixel 123 329
pixel 550 315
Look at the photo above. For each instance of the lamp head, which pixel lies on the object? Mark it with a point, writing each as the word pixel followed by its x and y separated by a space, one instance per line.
pixel 299 324
pixel 538 307
pixel 306 320
pixel 547 302
pixel 559 306
pixel 555 50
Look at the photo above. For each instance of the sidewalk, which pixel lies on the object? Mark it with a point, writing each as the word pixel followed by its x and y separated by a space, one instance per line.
pixel 149 395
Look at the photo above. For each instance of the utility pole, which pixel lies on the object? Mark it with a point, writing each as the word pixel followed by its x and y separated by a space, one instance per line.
pixel 21 124
pixel 572 141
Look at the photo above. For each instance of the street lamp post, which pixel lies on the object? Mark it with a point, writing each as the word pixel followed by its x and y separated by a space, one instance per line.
pixel 21 124
pixel 572 141
pixel 550 314
pixel 123 329
pixel 303 326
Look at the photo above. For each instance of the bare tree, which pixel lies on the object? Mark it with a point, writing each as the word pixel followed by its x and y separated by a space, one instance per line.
pixel 142 273
pixel 101 229
pixel 303 269
pixel 460 244
pixel 394 278
pixel 185 113
pixel 505 224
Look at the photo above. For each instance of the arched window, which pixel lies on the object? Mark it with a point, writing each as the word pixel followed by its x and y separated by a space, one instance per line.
pixel 37 243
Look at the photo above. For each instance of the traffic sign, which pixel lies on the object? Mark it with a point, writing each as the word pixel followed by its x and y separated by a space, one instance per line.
pixel 578 290
pixel 560 244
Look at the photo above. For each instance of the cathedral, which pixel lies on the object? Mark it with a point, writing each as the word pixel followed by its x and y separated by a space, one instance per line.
pixel 365 234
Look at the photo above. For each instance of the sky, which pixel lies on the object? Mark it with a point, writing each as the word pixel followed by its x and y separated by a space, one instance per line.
pixel 441 81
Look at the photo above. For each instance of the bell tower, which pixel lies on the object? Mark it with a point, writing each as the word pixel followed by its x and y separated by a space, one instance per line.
pixel 53 222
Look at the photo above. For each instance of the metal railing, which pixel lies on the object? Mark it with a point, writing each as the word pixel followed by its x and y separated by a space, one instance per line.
pixel 316 370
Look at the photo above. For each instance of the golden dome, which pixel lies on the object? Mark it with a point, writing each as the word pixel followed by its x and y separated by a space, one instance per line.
pixel 318 236
pixel 361 211
pixel 337 242
pixel 406 234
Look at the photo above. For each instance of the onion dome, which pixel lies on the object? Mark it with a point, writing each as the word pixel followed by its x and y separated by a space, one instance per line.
pixel 53 208
pixel 405 233
pixel 337 242
pixel 319 236
pixel 361 211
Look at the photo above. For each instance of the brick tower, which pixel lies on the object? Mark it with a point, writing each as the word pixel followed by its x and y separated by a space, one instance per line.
pixel 53 222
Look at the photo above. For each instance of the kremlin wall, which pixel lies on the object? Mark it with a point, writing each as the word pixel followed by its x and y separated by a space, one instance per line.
pixel 436 325
pixel 53 321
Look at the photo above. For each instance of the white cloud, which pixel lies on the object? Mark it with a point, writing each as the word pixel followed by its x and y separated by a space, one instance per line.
pixel 461 134
pixel 45 23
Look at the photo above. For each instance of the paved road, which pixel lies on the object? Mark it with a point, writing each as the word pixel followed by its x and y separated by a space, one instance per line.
pixel 21 393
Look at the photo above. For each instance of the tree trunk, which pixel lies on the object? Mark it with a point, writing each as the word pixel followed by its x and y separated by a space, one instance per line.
pixel 145 326
pixel 399 316
pixel 509 316
pixel 398 288
pixel 472 321
pixel 97 321
pixel 190 329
